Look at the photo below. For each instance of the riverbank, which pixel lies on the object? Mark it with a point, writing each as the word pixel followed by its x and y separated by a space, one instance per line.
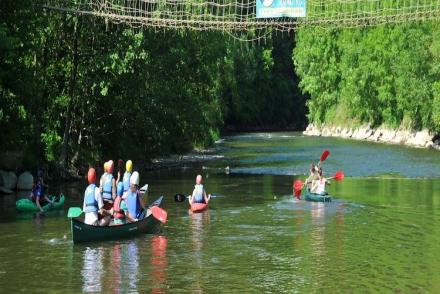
pixel 420 139
pixel 13 178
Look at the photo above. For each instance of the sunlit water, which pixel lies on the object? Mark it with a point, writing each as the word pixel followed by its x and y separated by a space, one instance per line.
pixel 380 234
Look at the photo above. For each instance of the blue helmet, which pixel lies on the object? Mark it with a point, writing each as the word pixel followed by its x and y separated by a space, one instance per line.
pixel 120 189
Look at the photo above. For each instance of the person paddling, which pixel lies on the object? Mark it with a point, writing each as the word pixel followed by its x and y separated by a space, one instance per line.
pixel 133 199
pixel 199 193
pixel 127 175
pixel 108 185
pixel 38 190
pixel 119 206
pixel 314 176
pixel 318 186
pixel 93 203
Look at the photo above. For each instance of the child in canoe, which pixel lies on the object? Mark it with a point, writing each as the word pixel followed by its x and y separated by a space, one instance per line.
pixel 93 203
pixel 199 193
pixel 314 176
pixel 38 190
pixel 318 186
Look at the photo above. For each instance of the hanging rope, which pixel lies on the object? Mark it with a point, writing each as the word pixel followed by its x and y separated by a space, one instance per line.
pixel 230 16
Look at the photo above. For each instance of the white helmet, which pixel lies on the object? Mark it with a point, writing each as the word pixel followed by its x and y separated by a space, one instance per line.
pixel 134 179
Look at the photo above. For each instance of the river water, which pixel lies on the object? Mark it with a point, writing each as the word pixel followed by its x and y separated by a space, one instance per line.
pixel 380 234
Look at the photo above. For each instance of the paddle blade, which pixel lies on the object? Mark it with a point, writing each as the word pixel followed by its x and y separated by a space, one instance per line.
pixel 74 212
pixel 159 214
pixel 144 188
pixel 297 185
pixel 179 197
pixel 324 155
pixel 339 176
pixel 297 193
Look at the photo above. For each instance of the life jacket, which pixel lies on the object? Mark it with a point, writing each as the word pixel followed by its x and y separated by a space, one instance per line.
pixel 107 186
pixel 117 211
pixel 38 191
pixel 91 205
pixel 199 196
pixel 126 181
pixel 132 202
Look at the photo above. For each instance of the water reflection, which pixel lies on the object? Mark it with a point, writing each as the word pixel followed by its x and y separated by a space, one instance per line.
pixel 128 256
pixel 317 233
pixel 198 229
pixel 92 269
pixel 198 221
pixel 159 264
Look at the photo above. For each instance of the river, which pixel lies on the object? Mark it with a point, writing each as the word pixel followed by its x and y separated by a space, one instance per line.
pixel 379 234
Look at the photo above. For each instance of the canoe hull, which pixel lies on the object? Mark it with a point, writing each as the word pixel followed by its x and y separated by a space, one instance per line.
pixel 198 207
pixel 317 197
pixel 26 205
pixel 82 232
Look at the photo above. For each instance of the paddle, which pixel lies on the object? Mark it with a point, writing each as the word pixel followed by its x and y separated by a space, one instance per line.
pixel 324 156
pixel 339 176
pixel 181 197
pixel 159 214
pixel 144 188
pixel 298 184
pixel 297 187
pixel 74 212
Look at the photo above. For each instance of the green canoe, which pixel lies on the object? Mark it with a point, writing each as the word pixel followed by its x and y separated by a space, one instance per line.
pixel 82 232
pixel 316 197
pixel 26 205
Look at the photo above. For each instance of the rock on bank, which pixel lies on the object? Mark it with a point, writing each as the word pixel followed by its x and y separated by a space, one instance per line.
pixel 421 139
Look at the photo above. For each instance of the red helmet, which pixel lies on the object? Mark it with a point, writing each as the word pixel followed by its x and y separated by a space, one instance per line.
pixel 91 176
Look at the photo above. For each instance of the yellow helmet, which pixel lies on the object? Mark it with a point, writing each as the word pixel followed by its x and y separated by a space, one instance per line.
pixel 129 166
pixel 105 167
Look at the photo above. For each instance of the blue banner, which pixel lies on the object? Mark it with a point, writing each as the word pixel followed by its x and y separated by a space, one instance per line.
pixel 281 8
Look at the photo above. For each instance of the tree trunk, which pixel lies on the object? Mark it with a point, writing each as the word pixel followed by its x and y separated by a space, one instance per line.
pixel 66 137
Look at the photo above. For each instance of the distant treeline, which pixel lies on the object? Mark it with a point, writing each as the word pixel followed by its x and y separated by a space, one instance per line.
pixel 74 90
pixel 386 75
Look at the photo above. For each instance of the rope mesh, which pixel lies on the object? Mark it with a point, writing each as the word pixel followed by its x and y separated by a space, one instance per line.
pixel 240 15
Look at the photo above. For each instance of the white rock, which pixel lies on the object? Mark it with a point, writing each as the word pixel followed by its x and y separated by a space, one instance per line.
pixel 25 181
pixel 326 132
pixel 8 179
pixel 387 135
pixel 430 145
pixel 401 137
pixel 376 135
pixel 420 139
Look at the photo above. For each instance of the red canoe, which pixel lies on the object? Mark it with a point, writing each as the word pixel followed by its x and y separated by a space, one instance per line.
pixel 199 207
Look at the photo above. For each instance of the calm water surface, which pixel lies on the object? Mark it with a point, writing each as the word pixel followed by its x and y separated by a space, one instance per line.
pixel 380 234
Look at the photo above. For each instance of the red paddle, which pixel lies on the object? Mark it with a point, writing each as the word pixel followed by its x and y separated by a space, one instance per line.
pixel 297 187
pixel 339 176
pixel 159 214
pixel 324 156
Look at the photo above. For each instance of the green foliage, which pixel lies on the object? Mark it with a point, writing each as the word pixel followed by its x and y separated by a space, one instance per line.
pixel 76 92
pixel 381 75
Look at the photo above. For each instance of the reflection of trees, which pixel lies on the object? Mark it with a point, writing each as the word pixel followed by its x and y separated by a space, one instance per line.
pixel 92 269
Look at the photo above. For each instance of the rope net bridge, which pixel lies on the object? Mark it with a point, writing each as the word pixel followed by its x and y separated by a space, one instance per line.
pixel 241 15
